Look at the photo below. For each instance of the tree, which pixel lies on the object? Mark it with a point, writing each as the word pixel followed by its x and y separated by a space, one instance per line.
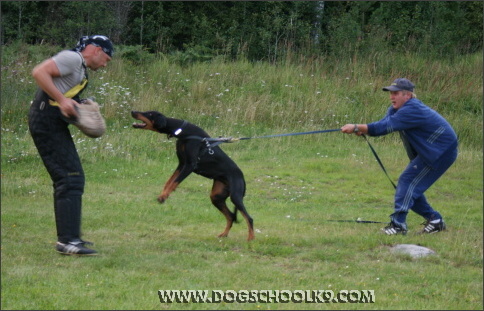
pixel 119 12
pixel 257 30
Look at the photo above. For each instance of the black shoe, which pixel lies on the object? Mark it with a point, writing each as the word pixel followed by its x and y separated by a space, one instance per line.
pixel 393 229
pixel 433 226
pixel 75 247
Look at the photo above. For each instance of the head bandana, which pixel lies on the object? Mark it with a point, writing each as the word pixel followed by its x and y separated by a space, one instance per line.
pixel 97 40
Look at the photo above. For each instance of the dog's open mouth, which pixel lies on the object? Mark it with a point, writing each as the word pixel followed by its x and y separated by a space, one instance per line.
pixel 139 125
pixel 139 117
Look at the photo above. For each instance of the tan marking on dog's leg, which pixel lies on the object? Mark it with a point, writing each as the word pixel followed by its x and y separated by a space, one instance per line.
pixel 229 224
pixel 169 187
pixel 218 196
pixel 250 225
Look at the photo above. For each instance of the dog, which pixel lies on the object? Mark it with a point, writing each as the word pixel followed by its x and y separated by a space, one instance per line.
pixel 196 155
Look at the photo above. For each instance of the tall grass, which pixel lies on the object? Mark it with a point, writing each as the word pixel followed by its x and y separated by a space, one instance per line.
pixel 316 93
pixel 294 186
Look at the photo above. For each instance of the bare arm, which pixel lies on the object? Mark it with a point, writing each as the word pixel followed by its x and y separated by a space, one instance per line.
pixel 43 75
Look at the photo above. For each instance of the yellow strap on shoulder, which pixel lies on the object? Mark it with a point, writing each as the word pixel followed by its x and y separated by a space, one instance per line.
pixel 72 92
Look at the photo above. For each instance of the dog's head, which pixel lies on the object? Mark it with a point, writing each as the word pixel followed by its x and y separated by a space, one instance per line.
pixel 151 120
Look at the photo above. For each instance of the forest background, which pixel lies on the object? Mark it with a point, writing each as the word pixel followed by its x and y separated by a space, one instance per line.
pixel 256 30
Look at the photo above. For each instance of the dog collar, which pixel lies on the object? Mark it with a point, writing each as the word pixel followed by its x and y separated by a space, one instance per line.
pixel 178 131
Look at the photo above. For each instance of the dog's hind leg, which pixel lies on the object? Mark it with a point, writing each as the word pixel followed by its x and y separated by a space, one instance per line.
pixel 250 222
pixel 219 195
pixel 237 197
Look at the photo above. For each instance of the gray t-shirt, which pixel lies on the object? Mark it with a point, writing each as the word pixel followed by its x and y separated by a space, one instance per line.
pixel 70 65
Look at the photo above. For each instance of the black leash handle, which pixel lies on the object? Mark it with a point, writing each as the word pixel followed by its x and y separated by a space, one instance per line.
pixel 379 161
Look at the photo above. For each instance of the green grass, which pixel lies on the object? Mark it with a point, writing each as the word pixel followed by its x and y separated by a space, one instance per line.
pixel 292 193
pixel 294 186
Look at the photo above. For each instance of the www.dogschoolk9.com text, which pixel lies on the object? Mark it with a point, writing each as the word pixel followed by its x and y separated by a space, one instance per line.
pixel 266 296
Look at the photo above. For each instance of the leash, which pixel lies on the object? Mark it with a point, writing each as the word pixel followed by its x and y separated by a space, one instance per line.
pixel 288 134
pixel 379 161
pixel 217 141
pixel 211 142
pixel 359 221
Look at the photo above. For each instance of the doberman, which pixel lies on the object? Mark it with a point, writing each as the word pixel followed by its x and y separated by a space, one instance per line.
pixel 195 155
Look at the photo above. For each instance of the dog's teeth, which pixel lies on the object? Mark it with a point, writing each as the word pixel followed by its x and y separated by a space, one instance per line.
pixel 139 125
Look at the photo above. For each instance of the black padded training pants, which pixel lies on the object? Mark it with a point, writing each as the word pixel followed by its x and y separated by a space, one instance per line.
pixel 58 152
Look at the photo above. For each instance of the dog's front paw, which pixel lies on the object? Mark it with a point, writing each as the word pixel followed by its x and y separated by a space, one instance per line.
pixel 161 199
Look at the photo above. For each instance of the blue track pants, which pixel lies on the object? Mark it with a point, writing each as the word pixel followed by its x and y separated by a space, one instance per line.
pixel 413 182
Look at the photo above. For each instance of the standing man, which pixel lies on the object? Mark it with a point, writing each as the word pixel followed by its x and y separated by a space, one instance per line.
pixel 431 145
pixel 61 79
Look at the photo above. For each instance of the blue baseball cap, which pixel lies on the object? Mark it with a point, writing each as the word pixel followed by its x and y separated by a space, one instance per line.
pixel 400 84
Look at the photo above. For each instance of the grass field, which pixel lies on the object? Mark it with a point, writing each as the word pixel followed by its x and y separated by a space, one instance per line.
pixel 295 187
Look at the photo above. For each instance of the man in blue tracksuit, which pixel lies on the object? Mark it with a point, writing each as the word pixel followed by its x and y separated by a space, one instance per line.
pixel 431 145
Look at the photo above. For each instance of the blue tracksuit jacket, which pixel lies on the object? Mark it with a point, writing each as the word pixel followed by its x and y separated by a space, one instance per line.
pixel 424 131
